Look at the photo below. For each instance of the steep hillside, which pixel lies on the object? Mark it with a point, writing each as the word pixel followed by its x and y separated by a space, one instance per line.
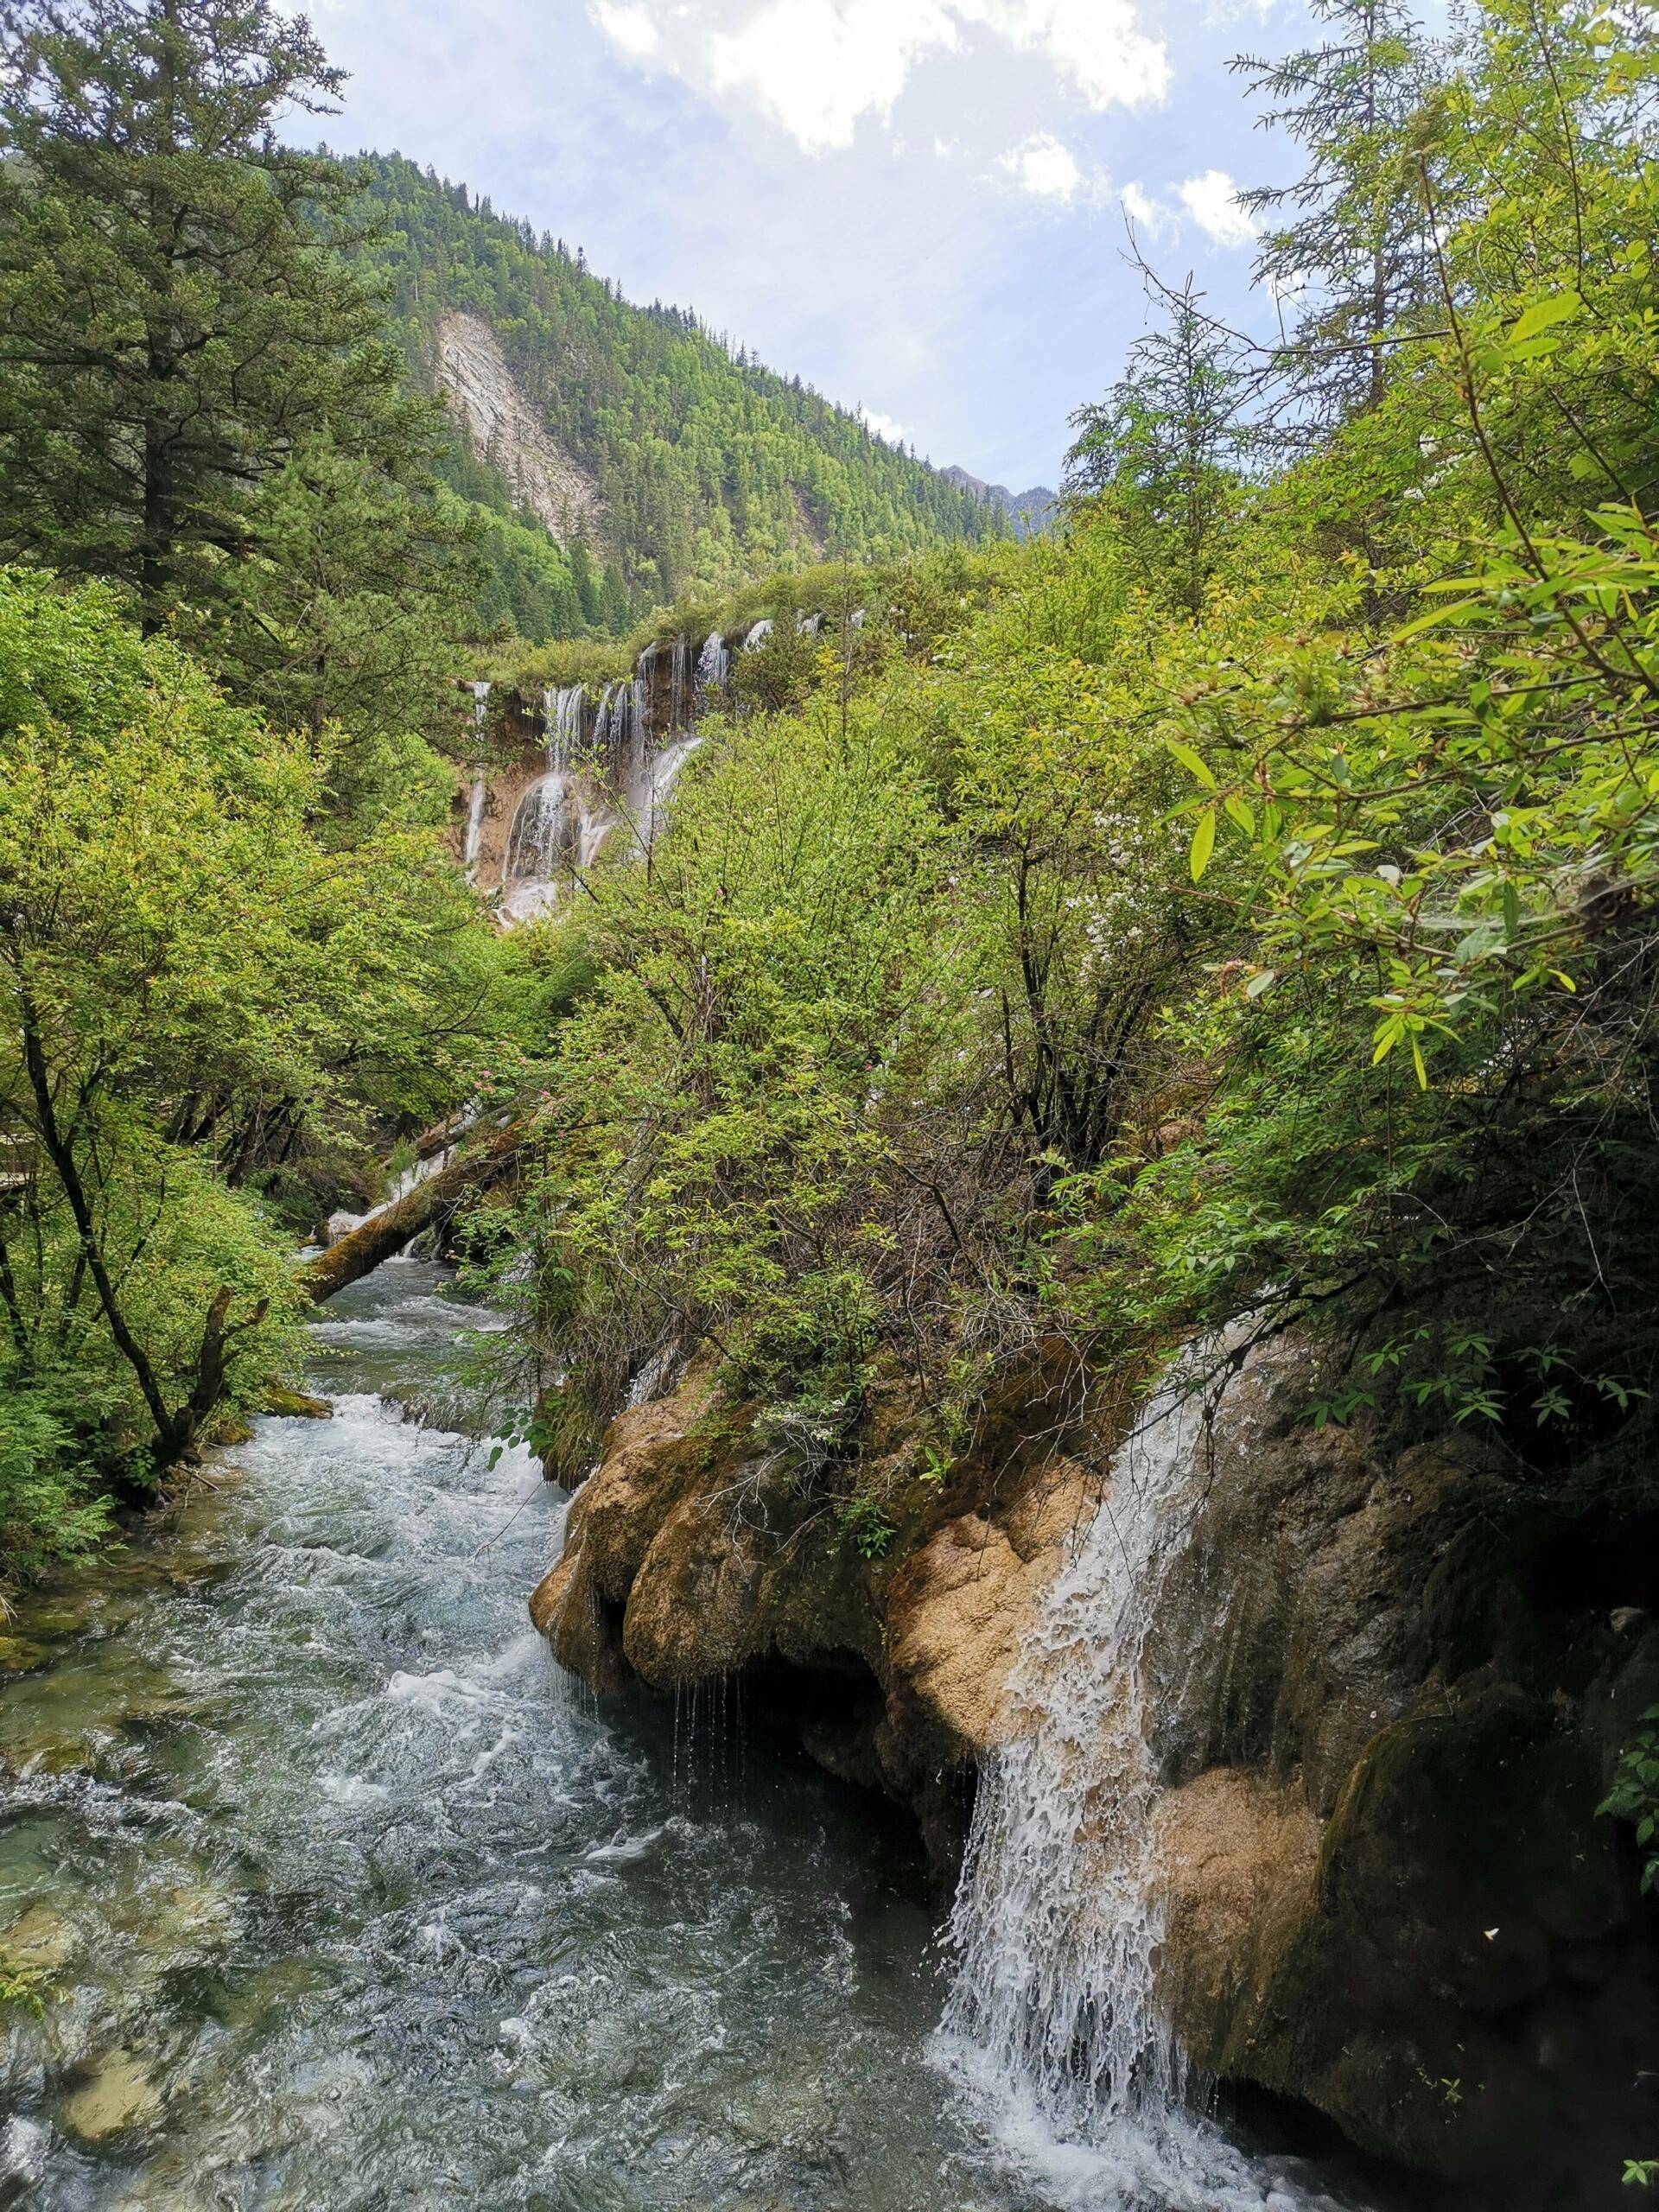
pixel 656 460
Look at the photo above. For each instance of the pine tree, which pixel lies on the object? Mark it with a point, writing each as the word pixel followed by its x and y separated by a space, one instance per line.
pixel 1168 447
pixel 180 340
pixel 1350 242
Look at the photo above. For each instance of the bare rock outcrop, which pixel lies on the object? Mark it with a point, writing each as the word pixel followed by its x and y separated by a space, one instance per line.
pixel 507 431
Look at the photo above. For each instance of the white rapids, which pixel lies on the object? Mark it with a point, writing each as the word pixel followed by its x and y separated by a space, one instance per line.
pixel 1051 2023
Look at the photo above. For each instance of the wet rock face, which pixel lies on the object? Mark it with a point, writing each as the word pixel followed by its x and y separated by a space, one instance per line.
pixel 1385 1716
pixel 688 1557
pixel 1386 1690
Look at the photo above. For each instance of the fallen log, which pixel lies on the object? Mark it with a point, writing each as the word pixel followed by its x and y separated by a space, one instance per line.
pixel 389 1229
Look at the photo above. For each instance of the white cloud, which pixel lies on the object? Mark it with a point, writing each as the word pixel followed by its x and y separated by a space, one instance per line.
pixel 1212 202
pixel 1044 167
pixel 1155 217
pixel 884 427
pixel 815 67
pixel 1097 43
pixel 628 23
pixel 818 68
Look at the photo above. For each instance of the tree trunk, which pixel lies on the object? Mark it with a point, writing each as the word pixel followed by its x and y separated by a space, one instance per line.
pixel 395 1226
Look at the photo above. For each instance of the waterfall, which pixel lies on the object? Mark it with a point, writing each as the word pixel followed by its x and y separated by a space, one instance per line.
pixel 638 714
pixel 759 634
pixel 475 799
pixel 474 823
pixel 1053 2017
pixel 808 626
pixel 680 698
pixel 621 714
pixel 543 834
pixel 563 713
pixel 714 666
pixel 610 718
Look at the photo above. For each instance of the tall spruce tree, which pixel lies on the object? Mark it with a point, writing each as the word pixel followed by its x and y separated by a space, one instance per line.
pixel 1348 244
pixel 1167 448
pixel 193 383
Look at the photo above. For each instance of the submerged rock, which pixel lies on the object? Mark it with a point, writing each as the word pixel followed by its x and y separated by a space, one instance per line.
pixel 117 2095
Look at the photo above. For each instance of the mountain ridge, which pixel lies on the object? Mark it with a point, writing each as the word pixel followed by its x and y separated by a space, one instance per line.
pixel 1028 514
pixel 624 455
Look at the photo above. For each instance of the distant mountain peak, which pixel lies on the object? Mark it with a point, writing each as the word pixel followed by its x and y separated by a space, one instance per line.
pixel 1030 512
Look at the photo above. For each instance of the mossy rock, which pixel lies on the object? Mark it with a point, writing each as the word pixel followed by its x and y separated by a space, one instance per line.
pixel 295 1405
pixel 1463 1871
pixel 1465 1843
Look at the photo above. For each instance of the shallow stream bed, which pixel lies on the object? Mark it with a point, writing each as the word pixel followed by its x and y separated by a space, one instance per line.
pixel 337 1896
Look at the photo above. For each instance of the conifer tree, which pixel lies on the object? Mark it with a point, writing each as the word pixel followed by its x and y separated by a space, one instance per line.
pixel 1166 446
pixel 1349 245
pixel 191 380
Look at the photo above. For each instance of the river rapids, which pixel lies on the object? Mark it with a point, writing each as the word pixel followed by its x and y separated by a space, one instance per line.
pixel 337 1896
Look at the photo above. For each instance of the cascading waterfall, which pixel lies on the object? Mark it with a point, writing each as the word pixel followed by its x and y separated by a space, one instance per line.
pixel 680 695
pixel 563 711
pixel 475 800
pixel 759 634
pixel 1053 2017
pixel 544 834
pixel 602 719
pixel 714 666
pixel 638 722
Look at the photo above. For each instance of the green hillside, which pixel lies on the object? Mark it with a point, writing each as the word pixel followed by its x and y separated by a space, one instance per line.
pixel 697 467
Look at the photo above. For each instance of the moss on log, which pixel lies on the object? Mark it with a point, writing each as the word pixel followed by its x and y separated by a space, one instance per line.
pixel 394 1226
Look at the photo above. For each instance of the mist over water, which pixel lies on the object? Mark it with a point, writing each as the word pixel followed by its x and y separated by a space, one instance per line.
pixel 349 1899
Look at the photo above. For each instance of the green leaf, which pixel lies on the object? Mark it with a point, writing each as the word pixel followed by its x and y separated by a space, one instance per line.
pixel 1436 615
pixel 1543 315
pixel 1203 842
pixel 1194 764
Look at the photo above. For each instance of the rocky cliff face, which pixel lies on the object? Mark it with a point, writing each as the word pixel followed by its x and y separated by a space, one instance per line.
pixel 506 430
pixel 1384 1690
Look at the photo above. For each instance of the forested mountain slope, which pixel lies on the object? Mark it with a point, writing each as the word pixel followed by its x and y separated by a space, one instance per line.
pixel 658 460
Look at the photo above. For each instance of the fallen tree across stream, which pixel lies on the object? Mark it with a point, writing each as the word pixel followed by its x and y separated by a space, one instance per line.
pixel 390 1228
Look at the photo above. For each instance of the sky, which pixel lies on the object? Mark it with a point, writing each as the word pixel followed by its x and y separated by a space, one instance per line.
pixel 923 207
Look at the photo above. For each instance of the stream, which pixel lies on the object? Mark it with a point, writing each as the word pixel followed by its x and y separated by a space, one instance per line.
pixel 337 1894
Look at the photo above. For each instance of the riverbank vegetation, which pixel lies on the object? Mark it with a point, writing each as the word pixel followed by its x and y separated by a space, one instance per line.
pixel 1244 901
pixel 235 953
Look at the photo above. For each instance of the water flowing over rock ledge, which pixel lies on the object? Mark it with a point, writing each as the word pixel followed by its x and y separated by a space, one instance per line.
pixel 1378 1693
pixel 584 768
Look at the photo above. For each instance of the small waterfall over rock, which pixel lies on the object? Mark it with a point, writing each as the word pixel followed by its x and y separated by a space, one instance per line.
pixel 475 799
pixel 681 695
pixel 637 730
pixel 1056 1924
pixel 563 711
pixel 759 634
pixel 714 666
pixel 544 834
pixel 1053 2017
